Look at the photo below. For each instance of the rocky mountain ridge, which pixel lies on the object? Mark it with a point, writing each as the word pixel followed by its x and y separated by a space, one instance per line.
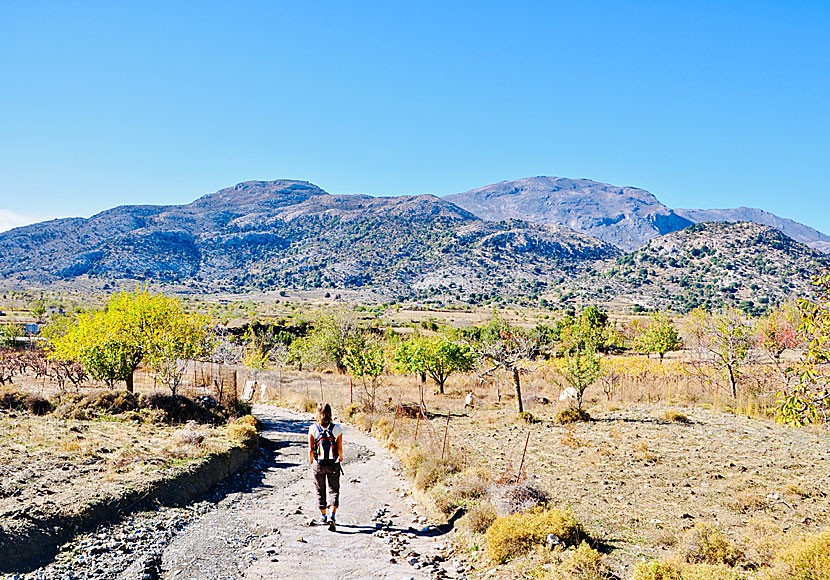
pixel 266 235
pixel 626 217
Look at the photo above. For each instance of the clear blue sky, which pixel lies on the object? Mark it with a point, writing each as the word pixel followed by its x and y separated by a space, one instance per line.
pixel 706 104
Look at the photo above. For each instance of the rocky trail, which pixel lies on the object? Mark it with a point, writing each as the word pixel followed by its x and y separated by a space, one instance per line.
pixel 257 524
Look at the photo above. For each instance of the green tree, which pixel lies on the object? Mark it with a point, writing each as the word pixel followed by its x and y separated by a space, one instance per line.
pixel 365 360
pixel 10 335
pixel 133 327
pixel 660 336
pixel 38 309
pixel 808 400
pixel 582 368
pixel 332 335
pixel 436 356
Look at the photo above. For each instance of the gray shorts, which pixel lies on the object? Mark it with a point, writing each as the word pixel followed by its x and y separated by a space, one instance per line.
pixel 324 474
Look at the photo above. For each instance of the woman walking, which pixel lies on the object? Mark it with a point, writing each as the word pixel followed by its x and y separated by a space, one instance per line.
pixel 325 452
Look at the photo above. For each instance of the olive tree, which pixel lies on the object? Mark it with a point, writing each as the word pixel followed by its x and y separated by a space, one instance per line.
pixel 809 400
pixel 659 336
pixel 437 356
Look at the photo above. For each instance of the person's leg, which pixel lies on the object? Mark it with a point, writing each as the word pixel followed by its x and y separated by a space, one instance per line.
pixel 320 487
pixel 334 488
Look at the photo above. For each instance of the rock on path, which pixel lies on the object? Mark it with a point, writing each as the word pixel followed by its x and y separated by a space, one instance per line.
pixel 265 533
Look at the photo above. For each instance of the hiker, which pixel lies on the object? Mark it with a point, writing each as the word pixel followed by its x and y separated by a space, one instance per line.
pixel 325 452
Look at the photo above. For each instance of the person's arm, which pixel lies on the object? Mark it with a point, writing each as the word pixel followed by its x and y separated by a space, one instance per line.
pixel 340 447
pixel 311 448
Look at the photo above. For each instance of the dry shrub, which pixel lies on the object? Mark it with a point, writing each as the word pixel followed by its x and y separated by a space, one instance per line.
pixel 746 501
pixel 465 489
pixel 572 441
pixel 187 443
pixel 763 539
pixel 433 470
pixel 805 559
pixel 249 420
pixel 516 534
pixel 350 411
pixel 675 416
pixel 478 518
pixel 572 415
pixel 244 434
pixel 705 544
pixel 381 429
pixel 581 563
pixel 511 498
pixel 180 409
pixel 15 400
pixel 643 453
pixel 363 422
pixel 675 570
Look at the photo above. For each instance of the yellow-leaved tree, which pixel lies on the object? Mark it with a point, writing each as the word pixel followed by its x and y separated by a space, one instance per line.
pixel 131 328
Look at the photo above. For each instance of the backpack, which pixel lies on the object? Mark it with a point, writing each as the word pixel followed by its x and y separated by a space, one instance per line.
pixel 325 445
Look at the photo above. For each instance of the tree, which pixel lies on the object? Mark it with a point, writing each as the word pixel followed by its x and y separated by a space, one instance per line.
pixel 333 335
pixel 10 335
pixel 724 340
pixel 365 360
pixel 38 309
pixel 502 346
pixel 131 328
pixel 660 336
pixel 807 401
pixel 436 356
pixel 582 368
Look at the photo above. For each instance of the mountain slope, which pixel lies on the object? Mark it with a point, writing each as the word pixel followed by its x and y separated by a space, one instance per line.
pixel 274 234
pixel 626 217
pixel 795 230
pixel 714 264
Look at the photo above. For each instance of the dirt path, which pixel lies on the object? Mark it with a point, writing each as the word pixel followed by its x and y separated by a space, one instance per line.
pixel 264 533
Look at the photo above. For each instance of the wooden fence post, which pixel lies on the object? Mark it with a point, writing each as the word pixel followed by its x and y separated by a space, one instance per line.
pixel 522 464
pixel 446 432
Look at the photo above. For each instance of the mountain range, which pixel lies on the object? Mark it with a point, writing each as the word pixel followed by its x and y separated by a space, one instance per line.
pixel 534 240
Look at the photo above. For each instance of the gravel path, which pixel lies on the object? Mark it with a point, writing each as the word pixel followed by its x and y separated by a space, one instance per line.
pixel 256 526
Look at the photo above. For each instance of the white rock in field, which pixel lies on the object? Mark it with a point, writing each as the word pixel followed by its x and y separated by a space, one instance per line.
pixel 469 401
pixel 569 394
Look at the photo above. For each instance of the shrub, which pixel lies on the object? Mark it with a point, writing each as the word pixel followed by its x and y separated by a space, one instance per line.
pixel 105 402
pixel 12 399
pixel 656 570
pixel 806 559
pixel 238 408
pixel 674 570
pixel 37 405
pixel 582 563
pixel 381 428
pixel 351 411
pixel 705 544
pixel 243 433
pixel 249 420
pixel 513 535
pixel 20 401
pixel 478 518
pixel 572 415
pixel 434 470
pixel 527 417
pixel 675 416
pixel 511 498
pixel 179 409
